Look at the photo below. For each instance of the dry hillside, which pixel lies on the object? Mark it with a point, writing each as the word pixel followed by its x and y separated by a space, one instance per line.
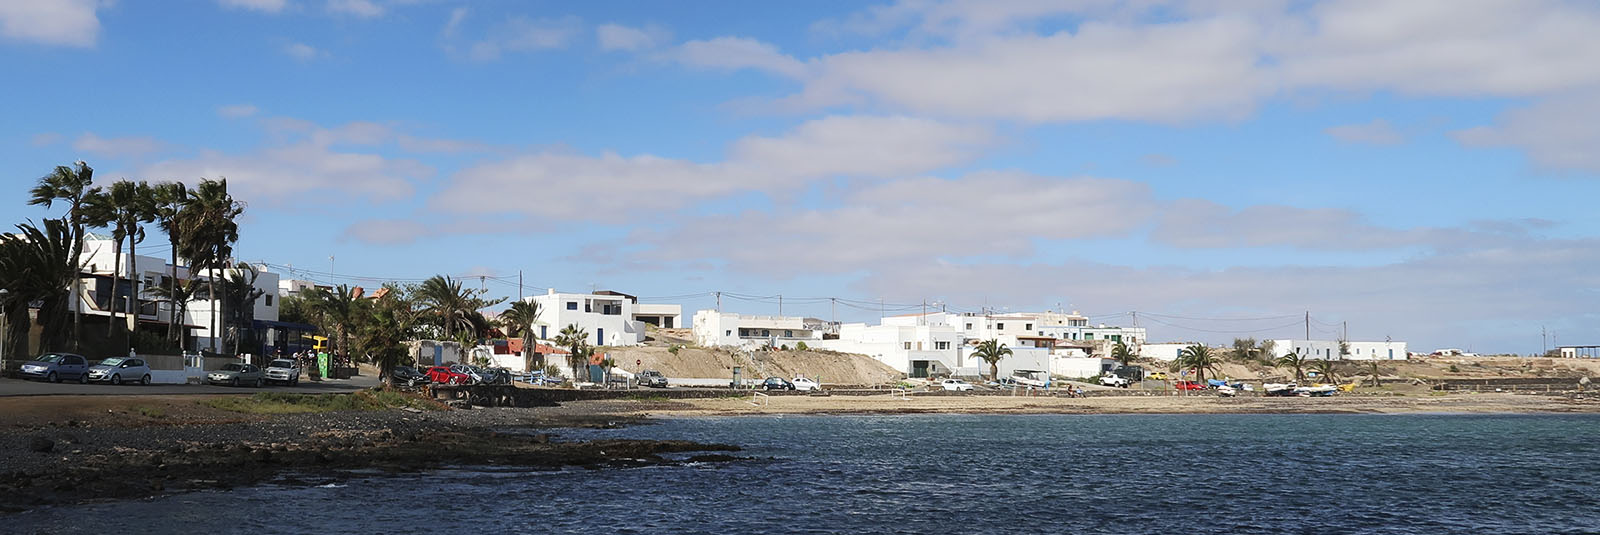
pixel 695 362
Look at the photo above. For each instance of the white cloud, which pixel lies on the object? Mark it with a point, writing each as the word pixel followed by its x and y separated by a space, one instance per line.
pixel 302 51
pixel 117 147
pixel 55 22
pixel 453 24
pixel 1377 132
pixel 523 34
pixel 387 231
pixel 44 139
pixel 865 146
pixel 619 37
pixel 1557 133
pixel 264 6
pixel 739 53
pixel 237 111
pixel 913 220
pixel 301 172
pixel 359 8
pixel 1196 223
pixel 1176 61
pixel 565 184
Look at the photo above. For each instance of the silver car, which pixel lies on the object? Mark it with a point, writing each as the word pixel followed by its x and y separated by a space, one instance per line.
pixel 118 370
pixel 54 367
pixel 235 374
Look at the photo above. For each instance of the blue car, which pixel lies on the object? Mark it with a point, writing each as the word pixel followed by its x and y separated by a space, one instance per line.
pixel 55 367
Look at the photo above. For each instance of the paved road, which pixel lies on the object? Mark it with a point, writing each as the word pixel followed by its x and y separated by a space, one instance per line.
pixel 15 387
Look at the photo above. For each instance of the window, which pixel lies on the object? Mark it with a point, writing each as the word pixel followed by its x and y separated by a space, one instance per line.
pixel 1116 337
pixel 1000 326
pixel 572 305
pixel 1027 327
pixel 941 345
pixel 728 332
pixel 544 332
pixel 969 326
pixel 908 345
pixel 788 334
pixel 269 300
pixel 1088 336
pixel 766 332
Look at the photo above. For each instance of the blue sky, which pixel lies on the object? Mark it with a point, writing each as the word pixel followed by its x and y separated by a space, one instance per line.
pixel 1422 170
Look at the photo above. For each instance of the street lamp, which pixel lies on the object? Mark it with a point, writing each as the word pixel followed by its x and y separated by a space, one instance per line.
pixel 5 325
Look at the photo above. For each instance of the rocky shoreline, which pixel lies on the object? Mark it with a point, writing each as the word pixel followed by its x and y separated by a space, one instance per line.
pixel 77 462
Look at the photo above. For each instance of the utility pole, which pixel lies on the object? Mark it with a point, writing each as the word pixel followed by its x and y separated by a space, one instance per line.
pixel 1135 318
pixel 1346 330
pixel 519 285
pixel 780 305
pixel 922 320
pixel 1308 325
pixel 719 302
pixel 833 310
pixel 1544 342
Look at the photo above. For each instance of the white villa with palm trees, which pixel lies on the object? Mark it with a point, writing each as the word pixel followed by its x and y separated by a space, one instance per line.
pixel 607 317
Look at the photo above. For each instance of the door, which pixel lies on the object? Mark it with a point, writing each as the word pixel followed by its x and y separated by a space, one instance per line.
pixel 599 337
pixel 919 368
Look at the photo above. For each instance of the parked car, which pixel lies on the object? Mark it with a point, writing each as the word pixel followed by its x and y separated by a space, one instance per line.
pixel 1113 380
pixel 406 375
pixel 1188 385
pixel 54 367
pixel 283 371
pixel 805 384
pixel 496 376
pixel 1157 376
pixel 118 370
pixel 447 375
pixel 955 385
pixel 235 374
pixel 474 376
pixel 652 379
pixel 776 383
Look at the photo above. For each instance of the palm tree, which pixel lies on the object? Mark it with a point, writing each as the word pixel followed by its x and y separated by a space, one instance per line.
pixel 991 351
pixel 385 324
pixel 1296 362
pixel 576 340
pixel 178 295
pixel 69 184
pixel 338 308
pixel 1264 352
pixel 167 201
pixel 519 320
pixel 1326 368
pixel 37 265
pixel 1121 354
pixel 451 305
pixel 208 232
pixel 125 207
pixel 1198 357
pixel 239 296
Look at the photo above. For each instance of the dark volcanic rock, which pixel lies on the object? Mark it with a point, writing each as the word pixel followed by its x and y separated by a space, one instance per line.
pixel 41 445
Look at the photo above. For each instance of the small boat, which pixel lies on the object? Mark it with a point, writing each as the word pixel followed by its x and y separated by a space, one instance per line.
pixel 1279 389
pixel 1317 390
pixel 1227 391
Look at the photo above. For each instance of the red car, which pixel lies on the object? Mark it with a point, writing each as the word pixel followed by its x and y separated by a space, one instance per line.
pixel 445 375
pixel 1188 385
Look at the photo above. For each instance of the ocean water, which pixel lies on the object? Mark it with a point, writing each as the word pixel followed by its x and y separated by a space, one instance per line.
pixel 1410 474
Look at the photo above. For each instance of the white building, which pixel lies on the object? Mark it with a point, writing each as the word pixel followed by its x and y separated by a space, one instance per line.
pixel 664 316
pixel 295 287
pixel 1164 351
pixel 1387 350
pixel 915 350
pixel 1081 367
pixel 727 329
pixel 1329 350
pixel 606 317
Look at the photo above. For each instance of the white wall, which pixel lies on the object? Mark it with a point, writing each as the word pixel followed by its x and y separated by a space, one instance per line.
pixel 1078 366
pixel 1167 352
pixel 897 346
pixel 722 329
pixel 588 312
pixel 1377 351
pixel 673 314
pixel 1312 349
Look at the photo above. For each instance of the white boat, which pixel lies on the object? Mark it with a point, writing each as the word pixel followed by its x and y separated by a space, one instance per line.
pixel 1320 391
pixel 1279 389
pixel 1227 391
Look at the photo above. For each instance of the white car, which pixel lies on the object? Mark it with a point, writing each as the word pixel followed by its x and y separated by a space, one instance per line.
pixel 283 371
pixel 802 384
pixel 955 385
pixel 1113 380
